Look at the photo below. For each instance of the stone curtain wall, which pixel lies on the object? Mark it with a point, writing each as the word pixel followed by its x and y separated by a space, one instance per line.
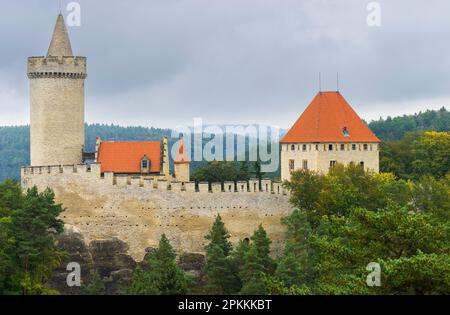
pixel 138 211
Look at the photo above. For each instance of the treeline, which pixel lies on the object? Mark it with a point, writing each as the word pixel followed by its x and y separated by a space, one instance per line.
pixel 395 128
pixel 417 154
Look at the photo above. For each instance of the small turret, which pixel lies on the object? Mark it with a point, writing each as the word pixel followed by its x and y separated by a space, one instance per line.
pixel 182 163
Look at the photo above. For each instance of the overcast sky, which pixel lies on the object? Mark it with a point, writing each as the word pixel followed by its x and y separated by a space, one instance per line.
pixel 163 62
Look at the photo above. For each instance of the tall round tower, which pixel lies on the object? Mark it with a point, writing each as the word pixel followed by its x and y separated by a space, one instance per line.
pixel 57 103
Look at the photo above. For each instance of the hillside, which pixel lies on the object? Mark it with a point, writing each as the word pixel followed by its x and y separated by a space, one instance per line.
pixel 395 128
pixel 14 140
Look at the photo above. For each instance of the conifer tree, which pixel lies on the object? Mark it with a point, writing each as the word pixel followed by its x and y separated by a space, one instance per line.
pixel 219 236
pixel 262 244
pixel 252 273
pixel 219 272
pixel 96 286
pixel 219 266
pixel 164 277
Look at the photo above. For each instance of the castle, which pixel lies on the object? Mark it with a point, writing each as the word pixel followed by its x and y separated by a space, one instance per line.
pixel 126 189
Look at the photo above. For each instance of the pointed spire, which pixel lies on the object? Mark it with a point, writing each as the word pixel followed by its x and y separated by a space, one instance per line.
pixel 182 156
pixel 60 44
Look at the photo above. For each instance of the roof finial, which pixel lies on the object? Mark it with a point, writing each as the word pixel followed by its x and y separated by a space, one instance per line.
pixel 337 81
pixel 320 82
pixel 60 6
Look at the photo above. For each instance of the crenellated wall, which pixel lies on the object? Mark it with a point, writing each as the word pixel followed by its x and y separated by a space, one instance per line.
pixel 138 210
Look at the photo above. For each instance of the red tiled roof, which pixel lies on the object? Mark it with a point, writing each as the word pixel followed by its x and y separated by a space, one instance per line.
pixel 182 156
pixel 324 120
pixel 125 157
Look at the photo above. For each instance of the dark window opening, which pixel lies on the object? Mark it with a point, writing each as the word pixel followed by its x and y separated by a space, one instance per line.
pixel 330 147
pixel 342 147
pixel 345 132
pixel 304 147
pixel 353 147
pixel 366 147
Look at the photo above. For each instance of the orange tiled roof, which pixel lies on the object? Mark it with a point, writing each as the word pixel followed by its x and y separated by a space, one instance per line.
pixel 182 156
pixel 125 157
pixel 324 120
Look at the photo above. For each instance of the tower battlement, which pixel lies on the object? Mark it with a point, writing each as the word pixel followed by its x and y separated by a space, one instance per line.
pixel 57 67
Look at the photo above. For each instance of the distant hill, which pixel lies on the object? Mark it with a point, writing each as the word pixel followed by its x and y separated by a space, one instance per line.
pixel 14 141
pixel 396 128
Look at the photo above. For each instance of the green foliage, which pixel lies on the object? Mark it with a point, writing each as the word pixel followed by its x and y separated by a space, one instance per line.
pixel 355 218
pixel 95 286
pixel 219 236
pixel 28 224
pixel 164 276
pixel 396 128
pixel 252 273
pixel 261 242
pixel 416 155
pixel 219 265
pixel 219 272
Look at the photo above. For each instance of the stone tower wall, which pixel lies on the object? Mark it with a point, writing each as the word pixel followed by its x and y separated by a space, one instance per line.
pixel 319 159
pixel 56 109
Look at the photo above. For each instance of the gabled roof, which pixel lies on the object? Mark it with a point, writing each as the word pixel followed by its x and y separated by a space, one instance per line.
pixel 60 44
pixel 125 157
pixel 182 156
pixel 326 119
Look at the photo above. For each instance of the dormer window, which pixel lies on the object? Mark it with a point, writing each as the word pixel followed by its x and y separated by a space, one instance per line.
pixel 345 132
pixel 145 164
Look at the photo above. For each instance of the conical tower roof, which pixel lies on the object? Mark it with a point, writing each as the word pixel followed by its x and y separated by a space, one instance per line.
pixel 182 156
pixel 329 118
pixel 60 44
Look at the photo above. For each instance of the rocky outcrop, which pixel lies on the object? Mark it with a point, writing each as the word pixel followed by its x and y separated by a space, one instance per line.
pixel 108 258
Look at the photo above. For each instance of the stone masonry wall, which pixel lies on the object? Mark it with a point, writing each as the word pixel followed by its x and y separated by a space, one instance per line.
pixel 138 211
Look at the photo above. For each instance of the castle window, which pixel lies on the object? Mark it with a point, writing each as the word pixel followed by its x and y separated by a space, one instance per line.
pixel 291 165
pixel 345 132
pixel 366 147
pixel 333 164
pixel 330 147
pixel 371 147
pixel 342 147
pixel 305 164
pixel 353 147
pixel 292 147
pixel 361 164
pixel 304 147
pixel 317 147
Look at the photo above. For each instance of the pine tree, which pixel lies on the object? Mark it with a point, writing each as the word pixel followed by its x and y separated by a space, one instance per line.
pixel 219 272
pixel 252 273
pixel 262 244
pixel 96 286
pixel 164 276
pixel 34 225
pixel 219 236
pixel 219 266
pixel 143 283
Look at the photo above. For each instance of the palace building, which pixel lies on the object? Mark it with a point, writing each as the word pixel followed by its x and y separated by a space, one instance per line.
pixel 327 133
